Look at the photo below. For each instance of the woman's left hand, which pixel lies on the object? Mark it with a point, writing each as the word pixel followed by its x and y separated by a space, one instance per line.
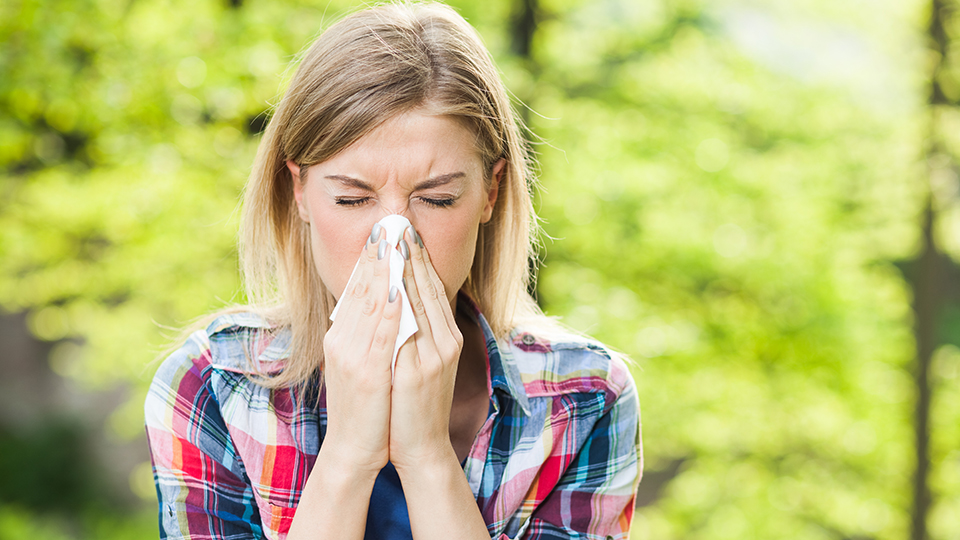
pixel 426 370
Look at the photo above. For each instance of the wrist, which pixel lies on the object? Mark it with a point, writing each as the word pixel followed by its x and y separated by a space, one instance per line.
pixel 342 464
pixel 430 469
pixel 440 501
pixel 334 493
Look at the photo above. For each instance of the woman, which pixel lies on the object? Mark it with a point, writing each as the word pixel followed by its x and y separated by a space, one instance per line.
pixel 275 422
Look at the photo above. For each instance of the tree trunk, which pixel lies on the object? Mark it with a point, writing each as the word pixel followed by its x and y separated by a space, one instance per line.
pixel 926 305
pixel 929 286
pixel 523 27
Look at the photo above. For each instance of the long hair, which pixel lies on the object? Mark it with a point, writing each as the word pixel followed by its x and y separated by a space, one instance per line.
pixel 364 70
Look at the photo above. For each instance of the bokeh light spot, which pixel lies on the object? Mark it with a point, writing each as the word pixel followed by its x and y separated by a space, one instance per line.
pixel 729 240
pixel 191 72
pixel 50 323
pixel 141 482
pixel 712 155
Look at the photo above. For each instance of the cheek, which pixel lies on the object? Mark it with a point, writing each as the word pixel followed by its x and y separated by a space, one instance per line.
pixel 451 242
pixel 337 243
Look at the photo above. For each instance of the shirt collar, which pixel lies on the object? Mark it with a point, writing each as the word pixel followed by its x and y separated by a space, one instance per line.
pixel 236 338
pixel 504 374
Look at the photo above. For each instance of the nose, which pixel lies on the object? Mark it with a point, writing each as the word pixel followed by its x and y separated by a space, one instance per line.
pixel 390 208
pixel 393 226
pixel 399 207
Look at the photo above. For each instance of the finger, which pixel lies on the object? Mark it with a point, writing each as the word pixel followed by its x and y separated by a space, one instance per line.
pixel 365 296
pixel 444 339
pixel 417 304
pixel 431 287
pixel 354 287
pixel 384 339
pixel 431 271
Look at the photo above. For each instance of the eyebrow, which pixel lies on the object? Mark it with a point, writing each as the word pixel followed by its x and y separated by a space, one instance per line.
pixel 429 183
pixel 438 181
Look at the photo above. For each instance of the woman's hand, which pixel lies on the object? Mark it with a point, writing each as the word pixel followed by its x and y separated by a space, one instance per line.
pixel 358 350
pixel 426 369
pixel 439 500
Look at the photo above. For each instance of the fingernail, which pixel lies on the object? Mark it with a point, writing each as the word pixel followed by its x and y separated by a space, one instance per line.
pixel 393 293
pixel 404 249
pixel 418 237
pixel 382 250
pixel 404 281
pixel 414 236
pixel 375 233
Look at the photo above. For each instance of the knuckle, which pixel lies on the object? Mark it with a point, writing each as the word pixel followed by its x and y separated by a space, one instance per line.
pixel 381 339
pixel 449 352
pixel 430 290
pixel 391 314
pixel 331 347
pixel 418 307
pixel 450 348
pixel 369 306
pixel 360 289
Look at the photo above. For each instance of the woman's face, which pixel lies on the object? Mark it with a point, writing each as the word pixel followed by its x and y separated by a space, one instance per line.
pixel 423 167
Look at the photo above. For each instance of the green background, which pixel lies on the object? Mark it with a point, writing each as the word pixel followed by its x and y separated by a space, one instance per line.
pixel 730 190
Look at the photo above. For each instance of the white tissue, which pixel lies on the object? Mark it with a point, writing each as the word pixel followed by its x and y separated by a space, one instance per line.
pixel 394 225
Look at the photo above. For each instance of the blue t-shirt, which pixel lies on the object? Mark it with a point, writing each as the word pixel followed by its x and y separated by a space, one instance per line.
pixel 387 518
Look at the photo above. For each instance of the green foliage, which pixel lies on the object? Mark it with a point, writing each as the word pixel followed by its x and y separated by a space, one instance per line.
pixel 17 523
pixel 47 468
pixel 727 190
pixel 730 226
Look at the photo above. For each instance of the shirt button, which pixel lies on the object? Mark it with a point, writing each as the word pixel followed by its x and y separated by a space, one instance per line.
pixel 528 339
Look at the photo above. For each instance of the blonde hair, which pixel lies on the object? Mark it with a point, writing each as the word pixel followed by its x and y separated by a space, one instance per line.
pixel 362 71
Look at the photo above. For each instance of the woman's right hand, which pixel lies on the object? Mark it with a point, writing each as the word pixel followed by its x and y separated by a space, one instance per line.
pixel 358 350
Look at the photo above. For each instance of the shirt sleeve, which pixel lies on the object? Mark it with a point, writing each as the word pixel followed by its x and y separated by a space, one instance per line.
pixel 595 496
pixel 202 489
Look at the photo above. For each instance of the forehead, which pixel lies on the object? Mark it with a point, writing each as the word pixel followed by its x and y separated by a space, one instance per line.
pixel 415 143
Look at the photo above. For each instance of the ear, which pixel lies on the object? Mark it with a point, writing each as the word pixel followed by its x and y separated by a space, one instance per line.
pixel 298 190
pixel 499 170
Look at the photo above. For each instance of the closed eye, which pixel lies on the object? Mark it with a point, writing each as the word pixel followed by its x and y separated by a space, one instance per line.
pixel 438 202
pixel 351 201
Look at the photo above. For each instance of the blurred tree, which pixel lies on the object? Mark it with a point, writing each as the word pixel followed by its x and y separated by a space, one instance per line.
pixel 934 274
pixel 48 468
pixel 928 283
pixel 736 179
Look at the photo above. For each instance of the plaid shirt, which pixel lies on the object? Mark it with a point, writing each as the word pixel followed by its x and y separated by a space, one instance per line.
pixel 559 455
